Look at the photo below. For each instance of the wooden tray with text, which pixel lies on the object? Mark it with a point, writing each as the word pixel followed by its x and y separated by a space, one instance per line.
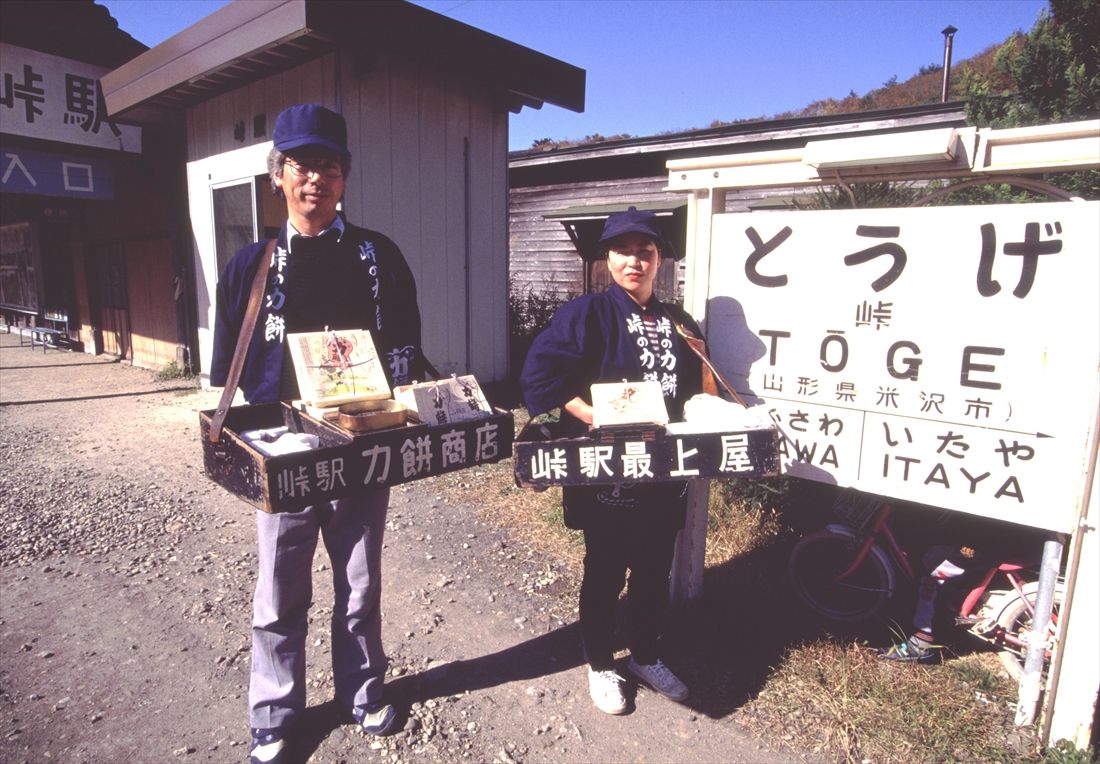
pixel 641 455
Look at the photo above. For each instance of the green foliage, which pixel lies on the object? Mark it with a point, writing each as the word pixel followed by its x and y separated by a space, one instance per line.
pixel 173 370
pixel 751 495
pixel 743 515
pixel 975 675
pixel 864 195
pixel 990 193
pixel 529 311
pixel 1051 75
pixel 1067 753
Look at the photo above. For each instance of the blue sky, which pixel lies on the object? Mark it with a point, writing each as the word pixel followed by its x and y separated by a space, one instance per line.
pixel 655 66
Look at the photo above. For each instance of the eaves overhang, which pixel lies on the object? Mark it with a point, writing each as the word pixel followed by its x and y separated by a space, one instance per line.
pixel 250 39
pixel 711 139
pixel 584 224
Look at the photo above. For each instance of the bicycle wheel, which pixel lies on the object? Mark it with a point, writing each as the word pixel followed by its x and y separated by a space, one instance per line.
pixel 1015 620
pixel 815 562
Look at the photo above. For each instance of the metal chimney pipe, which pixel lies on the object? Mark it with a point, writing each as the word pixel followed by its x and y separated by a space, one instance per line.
pixel 948 36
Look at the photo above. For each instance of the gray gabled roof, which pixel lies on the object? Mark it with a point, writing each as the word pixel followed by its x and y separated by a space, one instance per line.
pixel 709 140
pixel 250 39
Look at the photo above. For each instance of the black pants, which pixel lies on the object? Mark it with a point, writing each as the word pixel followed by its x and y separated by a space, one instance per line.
pixel 645 549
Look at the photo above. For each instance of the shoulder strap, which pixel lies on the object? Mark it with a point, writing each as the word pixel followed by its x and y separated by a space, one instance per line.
pixel 248 325
pixel 428 368
pixel 699 348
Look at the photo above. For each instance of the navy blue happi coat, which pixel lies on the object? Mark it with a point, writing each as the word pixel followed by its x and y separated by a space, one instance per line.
pixel 607 337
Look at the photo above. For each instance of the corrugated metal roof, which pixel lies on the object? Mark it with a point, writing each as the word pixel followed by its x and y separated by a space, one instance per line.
pixel 250 39
pixel 745 132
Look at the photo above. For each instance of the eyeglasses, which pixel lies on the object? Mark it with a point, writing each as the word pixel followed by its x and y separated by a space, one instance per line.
pixel 320 169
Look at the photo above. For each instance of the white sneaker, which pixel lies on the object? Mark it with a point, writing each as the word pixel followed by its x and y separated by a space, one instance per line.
pixel 660 678
pixel 606 689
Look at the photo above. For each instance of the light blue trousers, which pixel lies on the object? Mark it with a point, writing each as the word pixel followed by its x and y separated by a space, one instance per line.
pixel 352 532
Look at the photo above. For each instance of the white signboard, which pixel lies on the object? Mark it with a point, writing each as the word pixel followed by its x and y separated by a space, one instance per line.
pixel 56 99
pixel 946 356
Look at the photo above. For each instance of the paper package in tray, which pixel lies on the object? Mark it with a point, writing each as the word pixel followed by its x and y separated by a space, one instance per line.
pixel 335 367
pixel 455 399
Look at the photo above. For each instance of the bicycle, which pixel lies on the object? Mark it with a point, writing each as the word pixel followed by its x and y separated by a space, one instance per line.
pixel 848 571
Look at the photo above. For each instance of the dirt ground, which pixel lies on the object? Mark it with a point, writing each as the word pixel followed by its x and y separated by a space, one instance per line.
pixel 126 580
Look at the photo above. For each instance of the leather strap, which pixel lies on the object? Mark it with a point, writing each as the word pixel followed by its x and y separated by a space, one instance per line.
pixel 710 374
pixel 248 325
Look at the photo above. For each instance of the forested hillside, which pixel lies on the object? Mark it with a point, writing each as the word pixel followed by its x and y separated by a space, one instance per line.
pixel 1050 74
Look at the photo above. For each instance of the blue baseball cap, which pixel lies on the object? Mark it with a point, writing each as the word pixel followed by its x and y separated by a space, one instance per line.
pixel 308 124
pixel 634 220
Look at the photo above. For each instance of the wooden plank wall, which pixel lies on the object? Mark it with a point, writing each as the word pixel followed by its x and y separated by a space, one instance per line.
pixel 210 124
pixel 432 156
pixel 429 152
pixel 542 257
pixel 149 275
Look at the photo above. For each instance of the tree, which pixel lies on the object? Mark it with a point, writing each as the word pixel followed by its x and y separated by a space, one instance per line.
pixel 1052 75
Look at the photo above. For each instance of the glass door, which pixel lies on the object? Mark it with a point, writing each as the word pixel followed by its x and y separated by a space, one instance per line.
pixel 230 201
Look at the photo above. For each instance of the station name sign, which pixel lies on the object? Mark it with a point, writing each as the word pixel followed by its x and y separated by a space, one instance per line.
pixel 57 99
pixel 946 356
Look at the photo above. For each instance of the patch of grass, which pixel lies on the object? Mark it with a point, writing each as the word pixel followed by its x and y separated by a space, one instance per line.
pixel 978 675
pixel 537 516
pixel 856 707
pixel 743 515
pixel 173 370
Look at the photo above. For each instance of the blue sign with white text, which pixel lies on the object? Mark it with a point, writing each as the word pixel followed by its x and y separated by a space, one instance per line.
pixel 25 171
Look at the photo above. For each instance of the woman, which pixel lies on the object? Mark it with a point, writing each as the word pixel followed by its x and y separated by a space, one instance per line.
pixel 625 333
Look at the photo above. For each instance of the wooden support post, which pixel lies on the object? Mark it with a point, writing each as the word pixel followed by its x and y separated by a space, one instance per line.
pixel 691 546
pixel 1072 695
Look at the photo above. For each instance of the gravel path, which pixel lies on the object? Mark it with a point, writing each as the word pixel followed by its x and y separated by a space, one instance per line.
pixel 126 580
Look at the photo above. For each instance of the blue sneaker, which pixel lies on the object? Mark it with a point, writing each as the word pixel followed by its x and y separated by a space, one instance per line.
pixel 376 719
pixel 268 747
pixel 913 650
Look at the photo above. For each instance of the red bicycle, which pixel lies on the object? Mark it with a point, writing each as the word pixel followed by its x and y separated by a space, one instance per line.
pixel 848 571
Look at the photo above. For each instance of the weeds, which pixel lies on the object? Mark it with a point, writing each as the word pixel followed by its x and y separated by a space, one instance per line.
pixel 858 708
pixel 1065 753
pixel 173 370
pixel 529 311
pixel 743 515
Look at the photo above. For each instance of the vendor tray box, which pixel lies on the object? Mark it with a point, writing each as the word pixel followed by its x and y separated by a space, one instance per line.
pixel 641 455
pixel 344 464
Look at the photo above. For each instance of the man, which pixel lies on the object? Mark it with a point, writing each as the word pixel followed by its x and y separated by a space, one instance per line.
pixel 323 273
